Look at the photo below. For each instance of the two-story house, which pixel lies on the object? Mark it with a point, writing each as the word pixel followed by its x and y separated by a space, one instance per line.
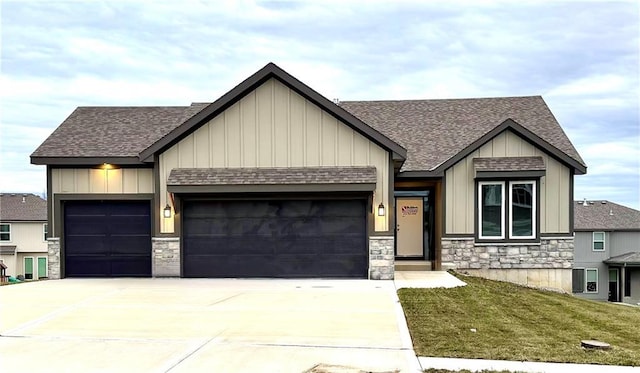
pixel 607 252
pixel 23 235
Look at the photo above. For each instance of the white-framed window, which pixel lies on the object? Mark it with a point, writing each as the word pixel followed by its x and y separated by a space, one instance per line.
pixel 598 241
pixel 496 199
pixel 491 210
pixel 591 280
pixel 45 231
pixel 5 232
pixel 28 268
pixel 522 209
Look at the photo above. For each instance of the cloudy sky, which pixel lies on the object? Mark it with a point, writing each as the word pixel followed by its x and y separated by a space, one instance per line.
pixel 582 57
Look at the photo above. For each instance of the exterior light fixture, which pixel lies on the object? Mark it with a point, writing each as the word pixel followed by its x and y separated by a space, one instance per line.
pixel 167 211
pixel 381 209
pixel 106 166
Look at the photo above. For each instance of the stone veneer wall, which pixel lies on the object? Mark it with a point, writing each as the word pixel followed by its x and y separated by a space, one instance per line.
pixel 53 260
pixel 545 264
pixel 165 257
pixel 465 253
pixel 381 257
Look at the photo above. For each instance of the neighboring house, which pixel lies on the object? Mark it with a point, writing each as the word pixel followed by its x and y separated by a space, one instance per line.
pixel 607 252
pixel 275 180
pixel 23 235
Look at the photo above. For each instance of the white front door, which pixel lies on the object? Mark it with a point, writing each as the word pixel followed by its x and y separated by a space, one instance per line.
pixel 409 227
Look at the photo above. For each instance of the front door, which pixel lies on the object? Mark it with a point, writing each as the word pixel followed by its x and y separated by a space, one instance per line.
pixel 409 227
pixel 613 285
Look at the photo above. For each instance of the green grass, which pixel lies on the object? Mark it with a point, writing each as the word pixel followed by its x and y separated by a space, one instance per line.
pixel 518 323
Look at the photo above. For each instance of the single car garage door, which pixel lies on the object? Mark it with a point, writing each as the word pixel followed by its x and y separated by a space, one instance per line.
pixel 275 238
pixel 107 238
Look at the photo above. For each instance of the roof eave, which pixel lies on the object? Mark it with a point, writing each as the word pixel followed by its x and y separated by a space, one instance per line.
pixel 85 161
pixel 419 175
pixel 241 90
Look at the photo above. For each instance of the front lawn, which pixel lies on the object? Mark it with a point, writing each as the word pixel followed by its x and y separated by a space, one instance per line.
pixel 512 322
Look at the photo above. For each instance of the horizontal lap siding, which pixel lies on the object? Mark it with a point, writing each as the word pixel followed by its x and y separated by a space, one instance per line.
pixel 274 126
pixel 554 187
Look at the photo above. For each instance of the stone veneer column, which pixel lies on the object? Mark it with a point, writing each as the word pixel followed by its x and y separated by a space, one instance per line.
pixel 165 256
pixel 53 260
pixel 381 257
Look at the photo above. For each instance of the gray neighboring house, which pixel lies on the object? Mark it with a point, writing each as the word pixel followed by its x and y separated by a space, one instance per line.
pixel 607 252
pixel 274 180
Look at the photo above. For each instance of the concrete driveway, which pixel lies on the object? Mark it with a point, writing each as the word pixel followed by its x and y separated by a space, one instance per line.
pixel 190 325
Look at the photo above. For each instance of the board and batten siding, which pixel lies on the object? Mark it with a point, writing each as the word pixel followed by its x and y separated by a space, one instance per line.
pixel 274 126
pixel 100 181
pixel 554 186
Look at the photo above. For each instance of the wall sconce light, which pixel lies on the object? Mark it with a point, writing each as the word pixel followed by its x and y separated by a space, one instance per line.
pixel 381 209
pixel 167 211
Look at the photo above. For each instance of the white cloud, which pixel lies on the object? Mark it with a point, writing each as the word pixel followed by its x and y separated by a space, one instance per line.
pixel 581 56
pixel 593 85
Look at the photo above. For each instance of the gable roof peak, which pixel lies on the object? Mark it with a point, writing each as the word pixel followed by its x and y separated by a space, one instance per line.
pixel 270 70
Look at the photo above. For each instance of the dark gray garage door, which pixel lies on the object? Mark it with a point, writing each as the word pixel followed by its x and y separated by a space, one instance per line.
pixel 281 238
pixel 107 238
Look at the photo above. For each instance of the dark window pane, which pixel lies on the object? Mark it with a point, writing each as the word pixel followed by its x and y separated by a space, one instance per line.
pixel 578 280
pixel 598 245
pixel 492 210
pixel 627 282
pixel 522 209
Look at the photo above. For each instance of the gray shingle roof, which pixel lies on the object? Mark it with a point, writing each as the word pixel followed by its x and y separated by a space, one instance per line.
pixel 434 131
pixel 272 176
pixel 12 207
pixel 509 164
pixel 113 131
pixel 628 258
pixel 8 250
pixel 605 215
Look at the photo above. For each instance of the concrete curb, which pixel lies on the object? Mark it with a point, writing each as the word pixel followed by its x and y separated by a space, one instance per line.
pixel 405 335
pixel 520 366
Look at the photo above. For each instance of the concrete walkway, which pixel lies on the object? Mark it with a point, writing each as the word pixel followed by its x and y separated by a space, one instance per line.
pixel 425 280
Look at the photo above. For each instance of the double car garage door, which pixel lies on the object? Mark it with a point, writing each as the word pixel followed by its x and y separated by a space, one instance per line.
pixel 257 238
